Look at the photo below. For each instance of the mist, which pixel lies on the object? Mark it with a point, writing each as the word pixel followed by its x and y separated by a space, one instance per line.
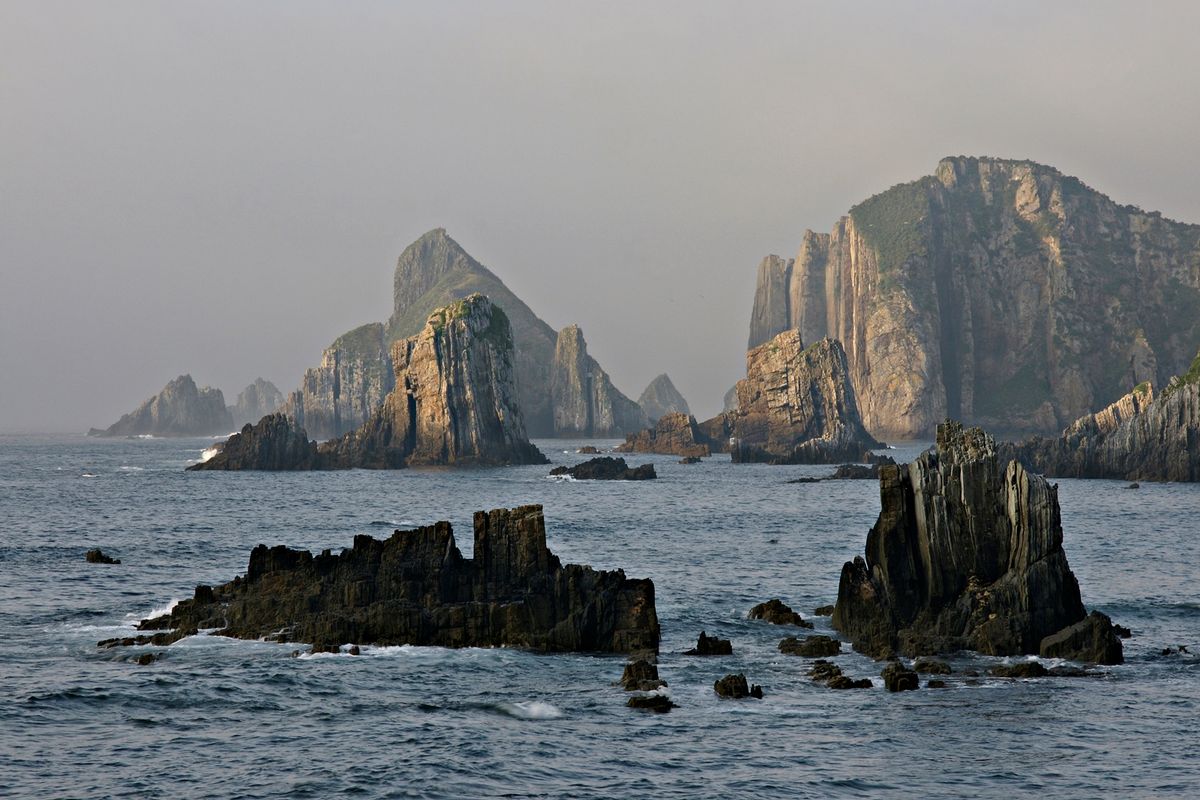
pixel 222 188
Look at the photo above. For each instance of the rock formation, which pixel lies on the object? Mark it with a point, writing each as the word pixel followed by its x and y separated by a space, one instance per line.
pixel 661 397
pixel 255 402
pixel 1143 436
pixel 796 405
pixel 584 400
pixel 606 468
pixel 673 434
pixel 776 612
pixel 98 556
pixel 355 374
pixel 966 554
pixel 1001 292
pixel 416 588
pixel 454 403
pixel 710 646
pixel 736 687
pixel 180 409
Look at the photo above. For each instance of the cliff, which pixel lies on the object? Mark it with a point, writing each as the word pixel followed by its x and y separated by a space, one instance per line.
pixel 180 409
pixel 454 403
pixel 416 588
pixel 1142 437
pixel 584 400
pixel 672 434
pixel 1001 292
pixel 795 405
pixel 966 554
pixel 661 397
pixel 255 402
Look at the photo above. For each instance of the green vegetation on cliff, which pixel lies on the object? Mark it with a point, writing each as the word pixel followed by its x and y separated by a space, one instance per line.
pixel 892 223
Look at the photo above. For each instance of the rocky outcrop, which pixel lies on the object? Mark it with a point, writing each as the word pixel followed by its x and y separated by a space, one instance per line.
pixel 255 402
pixel 1001 292
pixel 606 468
pixel 416 588
pixel 1143 436
pixel 899 678
pixel 1094 639
pixel 454 403
pixel 180 409
pixel 736 687
pixel 776 612
pixel 641 676
pixel 966 554
pixel 673 434
pixel 661 397
pixel 584 400
pixel 98 556
pixel 796 405
pixel 710 646
pixel 810 647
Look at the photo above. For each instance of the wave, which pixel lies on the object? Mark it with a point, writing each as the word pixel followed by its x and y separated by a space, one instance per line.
pixel 209 452
pixel 128 468
pixel 89 475
pixel 529 709
pixel 562 478
pixel 392 523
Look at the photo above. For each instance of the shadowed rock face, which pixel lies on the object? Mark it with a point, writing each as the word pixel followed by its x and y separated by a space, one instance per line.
pixel 180 409
pixel 661 397
pixel 454 404
pixel 997 291
pixel 672 434
pixel 966 554
pixel 1142 436
pixel 584 399
pixel 416 588
pixel 795 406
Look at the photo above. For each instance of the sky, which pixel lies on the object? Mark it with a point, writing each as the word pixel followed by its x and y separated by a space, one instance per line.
pixel 222 188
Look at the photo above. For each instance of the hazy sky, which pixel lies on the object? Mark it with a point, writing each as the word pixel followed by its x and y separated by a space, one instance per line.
pixel 222 188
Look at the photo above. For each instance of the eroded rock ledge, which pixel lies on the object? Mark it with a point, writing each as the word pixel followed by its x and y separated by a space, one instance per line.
pixel 416 588
pixel 966 554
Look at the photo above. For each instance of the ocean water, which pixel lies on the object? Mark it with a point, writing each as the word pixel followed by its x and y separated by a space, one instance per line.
pixel 223 718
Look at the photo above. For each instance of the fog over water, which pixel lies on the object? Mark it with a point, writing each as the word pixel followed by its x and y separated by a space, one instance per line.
pixel 222 188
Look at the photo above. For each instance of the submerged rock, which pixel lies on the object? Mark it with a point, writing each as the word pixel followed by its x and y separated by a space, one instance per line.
pixel 672 434
pixel 1022 669
pixel 931 666
pixel 658 703
pixel 710 646
pixel 846 682
pixel 661 398
pixel 736 687
pixel 777 613
pixel 607 468
pixel 180 409
pixel 416 588
pixel 811 647
pixel 97 556
pixel 966 554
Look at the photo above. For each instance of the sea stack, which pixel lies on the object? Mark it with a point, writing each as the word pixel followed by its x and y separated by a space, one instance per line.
pixel 673 434
pixel 966 554
pixel 584 399
pixel 180 409
pixel 661 398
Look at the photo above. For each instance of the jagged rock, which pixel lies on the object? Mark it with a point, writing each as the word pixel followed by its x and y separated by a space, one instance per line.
pixel 161 639
pixel 931 666
pixel 1022 669
pixel 1094 640
pixel 416 588
pixel 1122 631
pixel 822 670
pixel 607 468
pixel 587 449
pixel 673 434
pixel 1142 436
pixel 796 405
pixel 454 404
pixel 736 687
pixel 584 400
pixel 97 556
pixel 641 675
pixel 823 611
pixel 661 398
pixel 255 402
pixel 778 613
pixel 846 682
pixel 180 409
pixel 811 647
pixel 998 291
pixel 710 646
pixel 855 472
pixel 899 678
pixel 966 554
pixel 659 703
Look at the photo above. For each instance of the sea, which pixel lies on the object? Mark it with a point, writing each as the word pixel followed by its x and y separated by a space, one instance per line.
pixel 221 718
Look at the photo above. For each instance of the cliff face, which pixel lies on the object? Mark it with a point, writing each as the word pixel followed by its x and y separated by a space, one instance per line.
pixel 661 397
pixel 255 402
pixel 584 400
pixel 416 588
pixel 1142 436
pixel 180 409
pixel 454 403
pixel 672 434
pixel 1001 292
pixel 795 405
pixel 966 553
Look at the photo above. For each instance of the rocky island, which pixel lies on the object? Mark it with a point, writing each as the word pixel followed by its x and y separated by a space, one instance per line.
pixel 967 554
pixel 584 399
pixel 416 588
pixel 454 403
pixel 675 433
pixel 180 409
pixel 660 398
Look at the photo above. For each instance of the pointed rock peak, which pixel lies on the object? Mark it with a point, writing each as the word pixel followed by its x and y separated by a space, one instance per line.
pixel 425 262
pixel 661 398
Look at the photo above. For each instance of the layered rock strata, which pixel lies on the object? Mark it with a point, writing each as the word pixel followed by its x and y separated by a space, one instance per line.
pixel 180 409
pixel 966 554
pixel 674 434
pixel 583 397
pixel 661 397
pixel 997 291
pixel 416 588
pixel 454 403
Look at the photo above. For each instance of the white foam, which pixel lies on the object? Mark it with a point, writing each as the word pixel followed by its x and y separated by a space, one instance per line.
pixel 133 469
pixel 209 452
pixel 563 478
pixel 89 475
pixel 161 611
pixel 531 709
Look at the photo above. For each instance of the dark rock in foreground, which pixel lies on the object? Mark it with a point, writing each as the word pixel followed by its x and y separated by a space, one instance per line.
pixel 966 554
pixel 710 646
pixel 1023 669
pixel 811 647
pixel 97 556
pixel 823 611
pixel 899 678
pixel 777 613
pixel 641 675
pixel 736 687
pixel 607 468
pixel 274 443
pixel 672 434
pixel 416 588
